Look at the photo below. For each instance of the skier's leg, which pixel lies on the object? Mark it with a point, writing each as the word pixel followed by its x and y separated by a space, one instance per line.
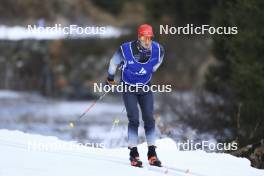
pixel 130 101
pixel 146 104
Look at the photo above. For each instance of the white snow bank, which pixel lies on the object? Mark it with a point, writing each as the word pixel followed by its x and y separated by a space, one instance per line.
pixel 20 33
pixel 9 94
pixel 18 159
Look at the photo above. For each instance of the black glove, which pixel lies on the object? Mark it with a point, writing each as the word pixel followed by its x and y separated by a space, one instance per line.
pixel 110 80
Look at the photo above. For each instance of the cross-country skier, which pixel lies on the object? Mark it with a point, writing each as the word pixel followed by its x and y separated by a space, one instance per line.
pixel 139 59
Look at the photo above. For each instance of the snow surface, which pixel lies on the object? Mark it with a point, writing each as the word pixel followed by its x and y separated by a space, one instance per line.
pixel 9 94
pixel 18 159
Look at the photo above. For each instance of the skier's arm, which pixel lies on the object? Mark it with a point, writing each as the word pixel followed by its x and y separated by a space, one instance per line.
pixel 114 63
pixel 160 60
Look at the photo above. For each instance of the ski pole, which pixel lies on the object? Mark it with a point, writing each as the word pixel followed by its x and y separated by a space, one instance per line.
pixel 108 138
pixel 73 123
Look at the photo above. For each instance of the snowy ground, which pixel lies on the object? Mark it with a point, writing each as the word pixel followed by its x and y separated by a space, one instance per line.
pixel 18 158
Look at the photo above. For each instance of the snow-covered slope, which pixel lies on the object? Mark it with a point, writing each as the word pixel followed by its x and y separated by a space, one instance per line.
pixel 20 158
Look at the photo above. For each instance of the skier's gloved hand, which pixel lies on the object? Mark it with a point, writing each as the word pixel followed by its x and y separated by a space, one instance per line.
pixel 110 80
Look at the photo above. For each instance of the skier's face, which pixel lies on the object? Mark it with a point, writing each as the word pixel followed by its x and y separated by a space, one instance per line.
pixel 145 41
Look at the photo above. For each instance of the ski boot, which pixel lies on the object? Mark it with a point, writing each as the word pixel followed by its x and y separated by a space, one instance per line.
pixel 152 156
pixel 134 157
